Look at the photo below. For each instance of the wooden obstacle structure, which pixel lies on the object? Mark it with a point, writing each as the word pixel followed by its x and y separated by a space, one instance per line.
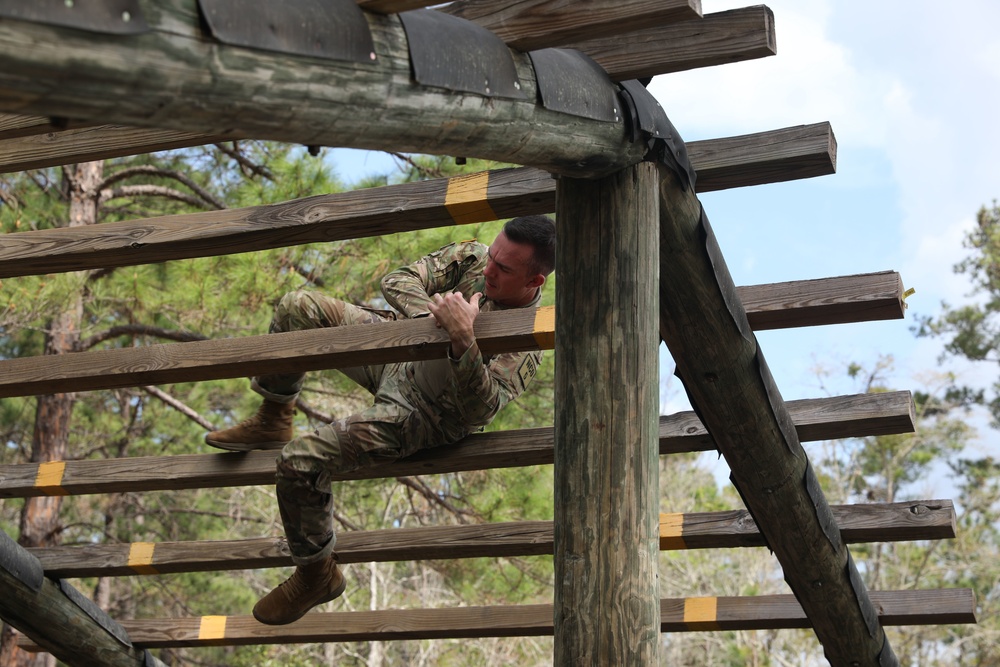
pixel 631 230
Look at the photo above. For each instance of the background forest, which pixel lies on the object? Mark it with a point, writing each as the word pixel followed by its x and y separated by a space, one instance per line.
pixel 233 296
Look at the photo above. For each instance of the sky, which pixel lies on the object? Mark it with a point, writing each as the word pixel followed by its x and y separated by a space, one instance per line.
pixel 912 91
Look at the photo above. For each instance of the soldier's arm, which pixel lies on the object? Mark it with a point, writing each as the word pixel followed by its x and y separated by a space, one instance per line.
pixel 409 289
pixel 487 388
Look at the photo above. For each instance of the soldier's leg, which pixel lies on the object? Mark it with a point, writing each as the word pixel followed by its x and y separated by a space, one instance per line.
pixel 306 464
pixel 271 426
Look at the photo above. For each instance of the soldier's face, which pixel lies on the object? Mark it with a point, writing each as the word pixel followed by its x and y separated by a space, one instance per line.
pixel 509 278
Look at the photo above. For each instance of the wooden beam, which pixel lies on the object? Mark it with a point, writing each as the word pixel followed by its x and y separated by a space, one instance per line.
pixel 13 126
pixel 726 377
pixel 374 104
pixel 537 24
pixel 403 340
pixel 760 612
pixel 815 419
pixel 718 39
pixel 60 619
pixel 486 196
pixel 606 460
pixel 905 521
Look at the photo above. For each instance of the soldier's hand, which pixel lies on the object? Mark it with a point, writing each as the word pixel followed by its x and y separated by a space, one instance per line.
pixel 458 317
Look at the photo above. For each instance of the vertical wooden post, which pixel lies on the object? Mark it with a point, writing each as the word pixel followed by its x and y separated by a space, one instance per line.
pixel 607 608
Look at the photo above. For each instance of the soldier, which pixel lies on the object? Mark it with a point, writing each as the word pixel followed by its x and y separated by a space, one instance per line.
pixel 417 404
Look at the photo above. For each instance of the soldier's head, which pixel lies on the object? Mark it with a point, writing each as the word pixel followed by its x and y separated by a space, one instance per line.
pixel 520 258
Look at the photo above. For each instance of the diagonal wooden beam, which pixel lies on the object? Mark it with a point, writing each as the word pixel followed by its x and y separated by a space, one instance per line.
pixel 815 419
pixel 906 521
pixel 799 152
pixel 539 24
pixel 759 612
pixel 403 340
pixel 705 326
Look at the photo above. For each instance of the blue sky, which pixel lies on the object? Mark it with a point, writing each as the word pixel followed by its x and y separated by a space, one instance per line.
pixel 912 90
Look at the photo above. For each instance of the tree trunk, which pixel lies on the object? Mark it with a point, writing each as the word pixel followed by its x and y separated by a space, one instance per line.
pixel 40 525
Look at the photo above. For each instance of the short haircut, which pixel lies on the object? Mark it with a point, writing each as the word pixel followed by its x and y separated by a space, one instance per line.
pixel 538 231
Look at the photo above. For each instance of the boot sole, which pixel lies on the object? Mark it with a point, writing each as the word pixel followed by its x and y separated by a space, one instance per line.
pixel 245 446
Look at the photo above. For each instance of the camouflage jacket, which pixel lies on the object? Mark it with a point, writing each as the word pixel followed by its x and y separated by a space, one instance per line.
pixel 474 388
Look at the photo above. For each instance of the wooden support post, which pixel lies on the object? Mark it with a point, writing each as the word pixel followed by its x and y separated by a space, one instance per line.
pixel 705 326
pixel 45 611
pixel 606 471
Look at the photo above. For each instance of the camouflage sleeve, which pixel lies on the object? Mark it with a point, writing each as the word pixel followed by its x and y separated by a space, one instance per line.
pixel 408 289
pixel 486 388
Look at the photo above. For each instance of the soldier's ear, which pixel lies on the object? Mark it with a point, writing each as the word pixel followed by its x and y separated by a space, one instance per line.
pixel 537 280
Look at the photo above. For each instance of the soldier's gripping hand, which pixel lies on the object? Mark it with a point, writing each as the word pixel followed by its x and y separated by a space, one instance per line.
pixel 456 316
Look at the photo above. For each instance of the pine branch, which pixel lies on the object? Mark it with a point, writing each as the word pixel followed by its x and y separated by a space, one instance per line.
pixel 435 498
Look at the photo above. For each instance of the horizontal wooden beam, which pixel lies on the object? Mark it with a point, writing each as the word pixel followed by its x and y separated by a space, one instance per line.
pixel 815 419
pixel 906 521
pixel 32 142
pixel 717 39
pixel 502 193
pixel 759 612
pixel 403 340
pixel 537 24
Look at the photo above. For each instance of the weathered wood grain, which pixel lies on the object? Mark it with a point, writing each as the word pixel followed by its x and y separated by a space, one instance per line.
pixel 726 377
pixel 761 612
pixel 538 24
pixel 717 39
pixel 815 419
pixel 606 468
pixel 905 521
pixel 175 77
pixel 13 126
pixel 372 212
pixel 44 613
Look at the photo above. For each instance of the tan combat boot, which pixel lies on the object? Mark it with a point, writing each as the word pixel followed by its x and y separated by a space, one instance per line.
pixel 270 428
pixel 311 585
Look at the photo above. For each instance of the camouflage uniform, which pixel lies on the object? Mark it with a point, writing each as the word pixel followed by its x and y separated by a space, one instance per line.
pixel 417 404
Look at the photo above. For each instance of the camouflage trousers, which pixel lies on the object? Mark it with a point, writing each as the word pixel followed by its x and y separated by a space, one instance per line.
pixel 394 426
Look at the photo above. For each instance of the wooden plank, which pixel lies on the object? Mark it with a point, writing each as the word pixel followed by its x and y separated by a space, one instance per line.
pixel 726 377
pixel 905 521
pixel 760 612
pixel 403 340
pixel 717 39
pixel 815 419
pixel 386 210
pixel 539 24
pixel 54 146
pixel 606 470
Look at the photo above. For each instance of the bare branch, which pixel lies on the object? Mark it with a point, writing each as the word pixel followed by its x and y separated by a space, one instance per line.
pixel 151 170
pixel 435 498
pixel 244 162
pixel 150 191
pixel 188 412
pixel 139 330
pixel 426 172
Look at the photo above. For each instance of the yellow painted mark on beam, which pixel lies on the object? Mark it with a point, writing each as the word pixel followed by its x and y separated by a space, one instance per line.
pixel 701 613
pixel 212 627
pixel 467 200
pixel 49 478
pixel 140 558
pixel 545 327
pixel 672 532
